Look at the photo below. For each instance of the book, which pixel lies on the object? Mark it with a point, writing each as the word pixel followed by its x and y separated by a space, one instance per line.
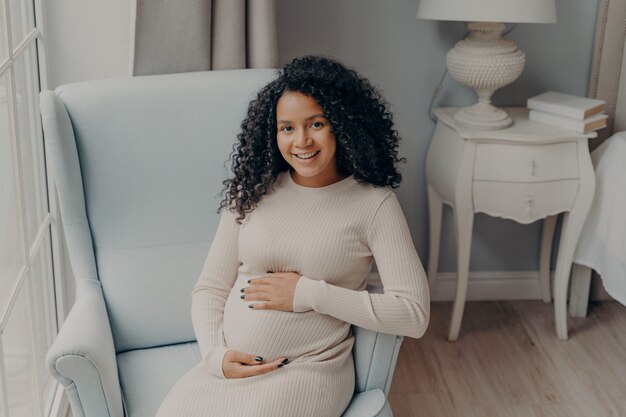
pixel 595 122
pixel 567 105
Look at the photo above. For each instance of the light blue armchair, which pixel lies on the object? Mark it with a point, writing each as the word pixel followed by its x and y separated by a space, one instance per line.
pixel 138 164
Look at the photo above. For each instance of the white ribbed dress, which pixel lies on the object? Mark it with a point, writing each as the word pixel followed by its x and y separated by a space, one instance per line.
pixel 330 235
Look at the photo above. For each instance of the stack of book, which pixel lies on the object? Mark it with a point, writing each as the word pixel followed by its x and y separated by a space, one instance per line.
pixel 580 114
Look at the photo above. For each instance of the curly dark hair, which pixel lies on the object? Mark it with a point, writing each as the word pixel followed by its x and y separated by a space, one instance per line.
pixel 358 115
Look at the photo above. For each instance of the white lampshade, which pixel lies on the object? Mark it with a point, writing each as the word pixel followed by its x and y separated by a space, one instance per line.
pixel 512 11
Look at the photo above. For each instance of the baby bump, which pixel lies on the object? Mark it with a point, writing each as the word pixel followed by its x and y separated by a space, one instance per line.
pixel 272 333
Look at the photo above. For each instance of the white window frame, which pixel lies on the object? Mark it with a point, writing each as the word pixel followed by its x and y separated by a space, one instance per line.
pixel 56 403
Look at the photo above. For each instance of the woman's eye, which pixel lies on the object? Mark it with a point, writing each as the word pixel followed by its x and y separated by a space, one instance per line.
pixel 317 125
pixel 286 129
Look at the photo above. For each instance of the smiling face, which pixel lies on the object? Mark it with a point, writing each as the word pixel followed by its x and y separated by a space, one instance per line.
pixel 305 140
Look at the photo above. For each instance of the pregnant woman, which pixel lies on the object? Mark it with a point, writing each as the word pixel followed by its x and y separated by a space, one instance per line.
pixel 306 214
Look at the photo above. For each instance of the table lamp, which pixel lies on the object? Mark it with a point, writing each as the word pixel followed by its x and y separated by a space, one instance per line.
pixel 485 61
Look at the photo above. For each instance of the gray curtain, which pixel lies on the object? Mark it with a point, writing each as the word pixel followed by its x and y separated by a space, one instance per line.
pixel 194 35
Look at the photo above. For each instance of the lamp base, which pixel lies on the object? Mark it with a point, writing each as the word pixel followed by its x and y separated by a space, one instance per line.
pixel 483 116
pixel 485 62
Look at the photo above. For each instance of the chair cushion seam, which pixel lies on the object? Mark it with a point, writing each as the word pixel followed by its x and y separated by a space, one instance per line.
pixel 118 248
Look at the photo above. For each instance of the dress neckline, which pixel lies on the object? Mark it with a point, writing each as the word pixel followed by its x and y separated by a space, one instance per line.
pixel 327 189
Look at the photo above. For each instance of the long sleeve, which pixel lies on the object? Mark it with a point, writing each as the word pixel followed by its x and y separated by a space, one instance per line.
pixel 209 295
pixel 404 308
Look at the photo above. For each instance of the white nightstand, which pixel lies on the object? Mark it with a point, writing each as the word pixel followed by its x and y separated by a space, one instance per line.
pixel 527 172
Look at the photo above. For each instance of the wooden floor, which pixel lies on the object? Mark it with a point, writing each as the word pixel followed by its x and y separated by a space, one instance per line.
pixel 508 362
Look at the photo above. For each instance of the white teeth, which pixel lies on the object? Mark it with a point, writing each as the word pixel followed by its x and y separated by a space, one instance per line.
pixel 306 155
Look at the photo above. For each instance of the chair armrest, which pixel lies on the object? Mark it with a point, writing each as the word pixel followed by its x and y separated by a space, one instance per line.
pixel 366 404
pixel 82 358
pixel 375 355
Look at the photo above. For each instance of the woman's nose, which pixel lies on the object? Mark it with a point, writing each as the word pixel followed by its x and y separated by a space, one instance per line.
pixel 303 139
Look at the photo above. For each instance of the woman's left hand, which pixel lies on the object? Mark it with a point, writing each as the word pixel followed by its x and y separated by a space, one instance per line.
pixel 274 291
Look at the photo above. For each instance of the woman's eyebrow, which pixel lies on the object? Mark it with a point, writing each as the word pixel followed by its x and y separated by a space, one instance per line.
pixel 308 118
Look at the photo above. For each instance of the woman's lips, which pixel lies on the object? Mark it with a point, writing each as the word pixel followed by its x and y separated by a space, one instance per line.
pixel 309 160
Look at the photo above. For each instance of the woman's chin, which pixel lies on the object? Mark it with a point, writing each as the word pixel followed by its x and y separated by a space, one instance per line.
pixel 306 173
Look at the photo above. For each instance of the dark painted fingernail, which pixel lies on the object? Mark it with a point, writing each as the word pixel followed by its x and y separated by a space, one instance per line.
pixel 280 365
pixel 258 358
pixel 250 306
pixel 285 362
pixel 242 289
pixel 243 296
pixel 249 281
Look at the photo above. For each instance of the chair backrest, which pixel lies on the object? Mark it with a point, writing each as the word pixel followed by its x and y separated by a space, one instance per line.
pixel 149 156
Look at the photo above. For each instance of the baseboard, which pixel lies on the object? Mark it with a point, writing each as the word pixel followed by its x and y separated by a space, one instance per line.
pixel 60 404
pixel 490 286
pixel 486 285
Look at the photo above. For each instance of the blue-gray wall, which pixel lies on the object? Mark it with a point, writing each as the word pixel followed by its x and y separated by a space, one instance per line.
pixel 405 57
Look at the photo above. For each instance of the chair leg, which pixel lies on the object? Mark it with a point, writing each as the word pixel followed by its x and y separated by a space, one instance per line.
pixel 579 291
pixel 547 236
pixel 435 209
pixel 464 221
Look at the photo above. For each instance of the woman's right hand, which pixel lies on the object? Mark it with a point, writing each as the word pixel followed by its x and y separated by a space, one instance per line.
pixel 242 365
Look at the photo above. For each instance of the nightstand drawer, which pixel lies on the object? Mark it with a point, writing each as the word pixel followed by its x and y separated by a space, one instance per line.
pixel 524 202
pixel 526 163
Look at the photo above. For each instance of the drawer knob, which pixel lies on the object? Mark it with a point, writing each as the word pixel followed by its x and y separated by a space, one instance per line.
pixel 529 203
pixel 531 167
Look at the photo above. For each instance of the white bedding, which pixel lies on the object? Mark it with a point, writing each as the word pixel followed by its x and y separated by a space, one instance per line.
pixel 602 243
